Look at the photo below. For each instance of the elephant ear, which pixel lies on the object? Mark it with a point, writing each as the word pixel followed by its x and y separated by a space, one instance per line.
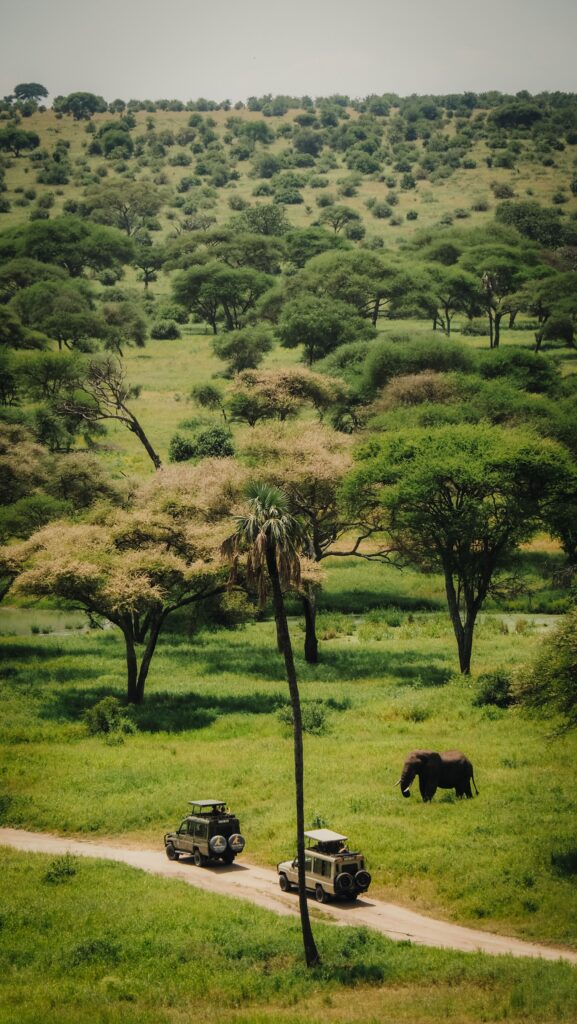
pixel 422 756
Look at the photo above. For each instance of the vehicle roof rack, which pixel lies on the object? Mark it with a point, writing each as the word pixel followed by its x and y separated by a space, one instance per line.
pixel 207 803
pixel 325 835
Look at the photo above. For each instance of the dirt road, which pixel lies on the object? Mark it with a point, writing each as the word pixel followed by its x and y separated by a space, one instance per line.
pixel 260 885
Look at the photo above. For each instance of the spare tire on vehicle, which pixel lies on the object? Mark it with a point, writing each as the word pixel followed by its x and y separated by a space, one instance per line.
pixel 344 882
pixel 217 845
pixel 363 880
pixel 236 842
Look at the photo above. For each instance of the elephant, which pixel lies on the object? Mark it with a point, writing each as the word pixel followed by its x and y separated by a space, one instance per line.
pixel 449 770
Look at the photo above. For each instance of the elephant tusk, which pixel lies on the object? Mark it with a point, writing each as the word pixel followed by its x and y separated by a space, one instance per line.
pixel 397 783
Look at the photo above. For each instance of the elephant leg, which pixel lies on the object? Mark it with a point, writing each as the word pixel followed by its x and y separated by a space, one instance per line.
pixel 428 789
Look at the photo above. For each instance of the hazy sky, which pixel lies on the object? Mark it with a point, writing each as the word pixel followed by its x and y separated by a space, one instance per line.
pixel 236 48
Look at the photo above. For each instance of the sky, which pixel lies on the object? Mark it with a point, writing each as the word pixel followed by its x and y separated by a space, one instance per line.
pixel 233 49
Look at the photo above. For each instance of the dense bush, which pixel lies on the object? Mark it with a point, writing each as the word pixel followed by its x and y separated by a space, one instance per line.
pixel 214 442
pixel 108 717
pixel 530 370
pixel 164 330
pixel 389 358
pixel 494 688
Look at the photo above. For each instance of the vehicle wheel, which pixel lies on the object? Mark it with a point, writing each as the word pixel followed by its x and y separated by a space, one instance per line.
pixel 344 882
pixel 363 880
pixel 198 858
pixel 320 894
pixel 171 853
pixel 284 883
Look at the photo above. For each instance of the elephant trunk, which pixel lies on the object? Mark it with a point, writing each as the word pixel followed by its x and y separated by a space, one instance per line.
pixel 407 776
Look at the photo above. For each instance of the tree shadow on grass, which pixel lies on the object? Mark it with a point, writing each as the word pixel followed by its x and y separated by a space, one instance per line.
pixel 358 601
pixel 335 665
pixel 164 712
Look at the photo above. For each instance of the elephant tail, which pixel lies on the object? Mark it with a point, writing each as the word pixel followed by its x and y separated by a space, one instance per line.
pixel 474 783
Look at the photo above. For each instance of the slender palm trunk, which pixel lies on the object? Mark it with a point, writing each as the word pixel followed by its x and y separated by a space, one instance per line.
pixel 311 644
pixel 283 635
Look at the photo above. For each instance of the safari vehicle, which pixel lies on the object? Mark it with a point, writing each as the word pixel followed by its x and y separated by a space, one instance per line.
pixel 331 869
pixel 208 833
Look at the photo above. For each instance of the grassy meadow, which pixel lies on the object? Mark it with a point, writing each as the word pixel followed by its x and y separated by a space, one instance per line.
pixel 110 943
pixel 212 722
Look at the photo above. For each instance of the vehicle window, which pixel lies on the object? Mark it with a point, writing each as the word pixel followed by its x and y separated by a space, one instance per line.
pixel 201 829
pixel 321 867
pixel 308 863
pixel 349 869
pixel 183 828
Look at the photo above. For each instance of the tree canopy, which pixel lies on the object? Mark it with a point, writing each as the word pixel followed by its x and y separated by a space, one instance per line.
pixel 460 499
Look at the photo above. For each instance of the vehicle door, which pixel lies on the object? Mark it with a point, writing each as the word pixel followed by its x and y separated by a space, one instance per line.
pixel 201 836
pixel 184 837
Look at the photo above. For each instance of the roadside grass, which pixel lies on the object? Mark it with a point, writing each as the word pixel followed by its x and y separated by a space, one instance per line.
pixel 386 684
pixel 109 942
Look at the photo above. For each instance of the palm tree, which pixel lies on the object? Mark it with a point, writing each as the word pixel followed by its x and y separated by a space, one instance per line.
pixel 272 537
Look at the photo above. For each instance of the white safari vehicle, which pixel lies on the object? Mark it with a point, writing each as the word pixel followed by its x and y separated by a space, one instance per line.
pixel 331 869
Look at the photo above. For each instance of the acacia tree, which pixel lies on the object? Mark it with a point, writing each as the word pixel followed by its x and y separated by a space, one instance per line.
pixel 272 538
pixel 452 291
pixel 320 324
pixel 69 242
pixel 375 286
pixel 103 394
pixel 125 205
pixel 502 270
pixel 135 568
pixel 311 466
pixel 215 289
pixel 30 91
pixel 461 499
pixel 280 394
pixel 15 140
pixel 63 310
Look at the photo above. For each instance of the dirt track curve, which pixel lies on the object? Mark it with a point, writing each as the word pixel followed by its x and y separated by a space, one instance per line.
pixel 260 885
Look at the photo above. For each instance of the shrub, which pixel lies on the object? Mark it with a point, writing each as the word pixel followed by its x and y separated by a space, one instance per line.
pixel 389 358
pixel 494 688
pixel 164 330
pixel 214 442
pixel 502 191
pixel 530 370
pixel 61 869
pixel 181 448
pixel 559 328
pixel 416 388
pixel 381 210
pixel 107 717
pixel 313 714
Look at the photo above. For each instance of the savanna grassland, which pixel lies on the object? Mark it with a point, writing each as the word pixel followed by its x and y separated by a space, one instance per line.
pixel 423 181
